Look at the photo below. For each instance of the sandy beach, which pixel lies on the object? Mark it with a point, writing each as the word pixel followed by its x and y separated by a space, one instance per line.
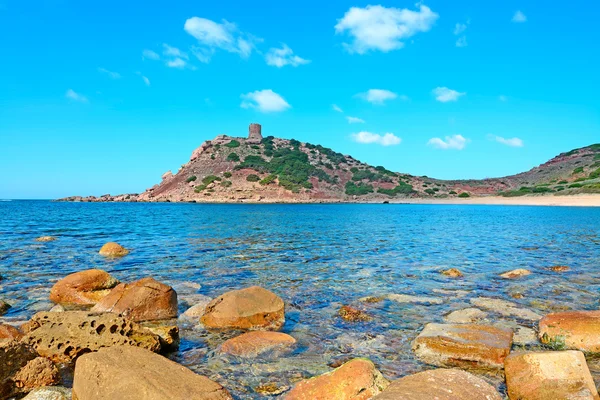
pixel 583 200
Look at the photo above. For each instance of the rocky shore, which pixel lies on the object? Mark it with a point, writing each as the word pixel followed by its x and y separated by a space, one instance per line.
pixel 106 339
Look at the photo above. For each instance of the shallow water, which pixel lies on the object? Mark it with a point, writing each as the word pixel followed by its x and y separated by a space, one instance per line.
pixel 317 258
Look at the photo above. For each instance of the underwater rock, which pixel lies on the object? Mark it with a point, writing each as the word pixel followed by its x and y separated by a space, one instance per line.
pixel 255 343
pixel 452 273
pixel 45 239
pixel 407 298
pixel 515 273
pixel 505 308
pixel 466 316
pixel 352 314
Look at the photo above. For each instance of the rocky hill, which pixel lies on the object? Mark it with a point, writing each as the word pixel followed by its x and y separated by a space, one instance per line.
pixel 257 169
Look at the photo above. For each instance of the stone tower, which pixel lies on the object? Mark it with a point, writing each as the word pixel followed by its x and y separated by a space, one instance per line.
pixel 254 134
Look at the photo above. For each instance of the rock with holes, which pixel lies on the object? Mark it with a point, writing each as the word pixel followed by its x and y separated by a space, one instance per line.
pixel 129 373
pixel 36 373
pixel 440 384
pixel 255 343
pixel 62 337
pixel 463 345
pixel 112 249
pixel 83 287
pixel 9 332
pixel 14 355
pixel 142 300
pixel 250 308
pixel 358 379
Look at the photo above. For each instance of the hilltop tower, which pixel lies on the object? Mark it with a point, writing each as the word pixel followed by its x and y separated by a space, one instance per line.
pixel 254 133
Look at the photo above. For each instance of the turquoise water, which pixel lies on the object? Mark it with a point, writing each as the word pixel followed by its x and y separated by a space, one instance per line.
pixel 317 258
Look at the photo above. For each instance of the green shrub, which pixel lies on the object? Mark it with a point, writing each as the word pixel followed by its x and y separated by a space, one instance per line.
pixel 212 156
pixel 233 157
pixel 191 179
pixel 452 192
pixel 595 174
pixel 233 144
pixel 430 191
pixel 464 195
pixel 210 179
pixel 268 179
pixel 563 182
pixel 226 183
pixel 578 170
pixel 256 163
pixel 541 190
pixel 217 147
pixel 575 186
pixel 402 188
pixel 253 178
pixel 200 188
pixel 255 147
pixel 358 189
pixel 227 174
pixel 597 157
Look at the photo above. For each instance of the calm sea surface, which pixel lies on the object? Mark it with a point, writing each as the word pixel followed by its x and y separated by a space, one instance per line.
pixel 317 258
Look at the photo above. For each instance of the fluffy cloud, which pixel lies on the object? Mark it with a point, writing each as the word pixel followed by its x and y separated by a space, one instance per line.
pixel 387 139
pixel 264 101
pixel 173 52
pixel 377 96
pixel 111 74
pixel 177 63
pixel 355 120
pixel 512 142
pixel 284 56
pixel 212 35
pixel 444 95
pixel 460 28
pixel 519 17
pixel 73 95
pixel 456 142
pixel 382 28
pixel 149 54
pixel 336 108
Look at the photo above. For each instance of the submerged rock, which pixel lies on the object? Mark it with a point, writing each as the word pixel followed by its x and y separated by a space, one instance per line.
pixel 255 343
pixel 525 337
pixel 515 273
pixel 559 268
pixel 440 384
pixel 407 298
pixel 250 308
pixel 357 379
pixel 465 316
pixel 505 308
pixel 463 345
pixel 572 329
pixel 549 375
pixel 112 249
pixel 45 239
pixel 352 314
pixel 125 372
pixel 198 309
pixel 452 273
pixel 83 287
pixel 142 300
pixel 49 393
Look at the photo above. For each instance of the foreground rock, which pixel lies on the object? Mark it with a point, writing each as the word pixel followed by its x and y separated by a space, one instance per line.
pixel 255 343
pixel 112 249
pixel 440 384
pixel 9 332
pixel 49 393
pixel 83 287
pixel 515 273
pixel 463 345
pixel 126 372
pixel 36 373
pixel 548 376
pixel 14 355
pixel 142 300
pixel 62 337
pixel 250 308
pixel 573 329
pixel 357 379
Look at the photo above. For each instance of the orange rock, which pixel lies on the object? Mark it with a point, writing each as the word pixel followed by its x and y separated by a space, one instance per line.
pixel 250 308
pixel 83 287
pixel 548 376
pixel 440 384
pixel 463 345
pixel 255 343
pixel 352 314
pixel 112 249
pixel 357 379
pixel 452 273
pixel 36 373
pixel 572 329
pixel 559 268
pixel 142 300
pixel 515 273
pixel 9 332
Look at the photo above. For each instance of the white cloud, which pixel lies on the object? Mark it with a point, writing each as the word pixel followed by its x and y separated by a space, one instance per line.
pixel 355 120
pixel 377 96
pixel 461 42
pixel 456 142
pixel 284 56
pixel 73 95
pixel 445 95
pixel 176 63
pixel 145 79
pixel 387 139
pixel 149 54
pixel 519 17
pixel 382 28
pixel 512 142
pixel 212 35
pixel 460 28
pixel 174 52
pixel 111 74
pixel 336 108
pixel 264 101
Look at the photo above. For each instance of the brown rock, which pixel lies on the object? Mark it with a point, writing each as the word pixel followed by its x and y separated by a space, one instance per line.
pixel 440 384
pixel 357 379
pixel 255 343
pixel 130 373
pixel 352 314
pixel 62 337
pixel 112 249
pixel 548 376
pixel 4 306
pixel 83 287
pixel 515 273
pixel 142 300
pixel 578 330
pixel 559 268
pixel 250 308
pixel 167 334
pixel 463 345
pixel 14 355
pixel 36 373
pixel 9 332
pixel 452 273
pixel 45 239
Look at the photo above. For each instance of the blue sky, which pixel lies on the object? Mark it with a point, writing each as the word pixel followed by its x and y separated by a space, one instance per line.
pixel 104 97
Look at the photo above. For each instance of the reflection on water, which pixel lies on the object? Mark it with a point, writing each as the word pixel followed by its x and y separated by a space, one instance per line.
pixel 317 258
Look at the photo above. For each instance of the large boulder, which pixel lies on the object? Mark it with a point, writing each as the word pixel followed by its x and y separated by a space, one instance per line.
pixel 130 373
pixel 14 355
pixel 251 308
pixel 549 375
pixel 112 249
pixel 62 337
pixel 440 384
pixel 358 379
pixel 83 287
pixel 142 300
pixel 578 330
pixel 463 345
pixel 255 343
